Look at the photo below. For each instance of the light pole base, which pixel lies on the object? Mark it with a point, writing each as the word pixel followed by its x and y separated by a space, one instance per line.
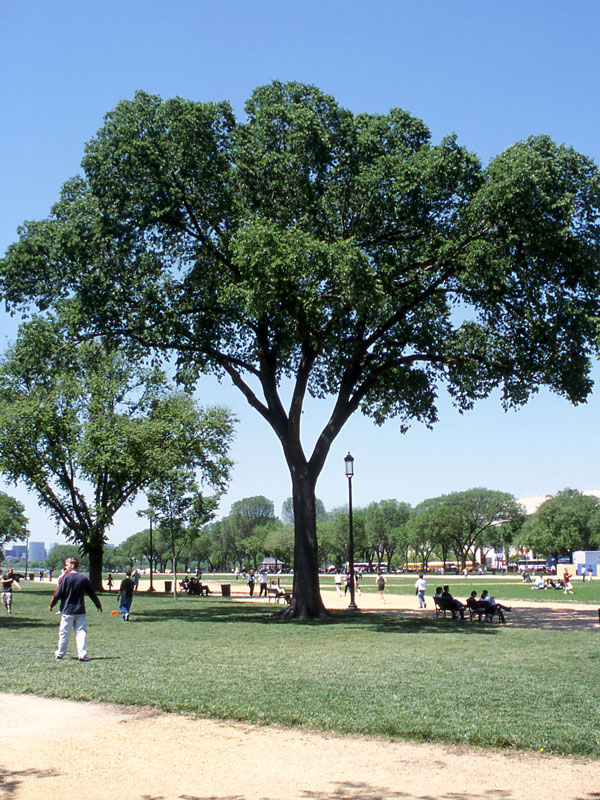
pixel 352 606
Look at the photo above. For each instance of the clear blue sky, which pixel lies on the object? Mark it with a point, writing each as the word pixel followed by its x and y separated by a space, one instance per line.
pixel 490 72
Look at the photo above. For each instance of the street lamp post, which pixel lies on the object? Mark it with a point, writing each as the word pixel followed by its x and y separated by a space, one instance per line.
pixel 151 589
pixel 349 461
pixel 27 555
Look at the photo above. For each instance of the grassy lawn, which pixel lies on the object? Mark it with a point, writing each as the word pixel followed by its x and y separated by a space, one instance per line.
pixel 365 674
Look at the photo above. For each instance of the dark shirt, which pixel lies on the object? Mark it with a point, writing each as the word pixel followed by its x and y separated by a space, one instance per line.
pixel 71 592
pixel 7 582
pixel 127 587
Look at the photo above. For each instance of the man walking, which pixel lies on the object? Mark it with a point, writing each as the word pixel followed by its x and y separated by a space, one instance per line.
pixel 125 596
pixel 71 592
pixel 420 589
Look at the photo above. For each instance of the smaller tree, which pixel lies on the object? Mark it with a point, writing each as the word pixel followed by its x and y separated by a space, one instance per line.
pixel 423 532
pixel 279 542
pixel 136 547
pixel 382 523
pixel 566 522
pixel 460 520
pixel 181 510
pixel 59 554
pixel 13 522
pixel 87 428
pixel 247 519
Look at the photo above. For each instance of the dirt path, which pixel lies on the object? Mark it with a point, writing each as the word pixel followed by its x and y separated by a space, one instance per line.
pixel 58 748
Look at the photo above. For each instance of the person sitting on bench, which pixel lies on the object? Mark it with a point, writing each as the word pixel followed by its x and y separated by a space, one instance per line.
pixel 278 591
pixel 456 606
pixel 475 606
pixel 492 606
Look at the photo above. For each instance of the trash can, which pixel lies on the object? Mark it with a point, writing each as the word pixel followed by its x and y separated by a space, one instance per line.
pixel 225 590
pixel 168 586
pixel 31 576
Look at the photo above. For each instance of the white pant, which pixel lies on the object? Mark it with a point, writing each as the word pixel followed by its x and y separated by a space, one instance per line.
pixel 77 623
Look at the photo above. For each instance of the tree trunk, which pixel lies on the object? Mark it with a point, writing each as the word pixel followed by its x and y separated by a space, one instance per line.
pixel 306 596
pixel 95 554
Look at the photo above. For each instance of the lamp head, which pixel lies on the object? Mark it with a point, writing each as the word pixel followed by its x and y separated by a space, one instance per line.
pixel 349 461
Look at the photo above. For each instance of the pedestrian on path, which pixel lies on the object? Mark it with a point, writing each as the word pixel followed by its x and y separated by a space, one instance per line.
pixel 420 588
pixel 380 582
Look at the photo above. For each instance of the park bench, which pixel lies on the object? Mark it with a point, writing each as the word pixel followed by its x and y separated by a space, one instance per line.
pixel 275 591
pixel 479 611
pixel 443 605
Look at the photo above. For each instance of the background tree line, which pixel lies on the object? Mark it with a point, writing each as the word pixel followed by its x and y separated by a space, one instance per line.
pixel 462 528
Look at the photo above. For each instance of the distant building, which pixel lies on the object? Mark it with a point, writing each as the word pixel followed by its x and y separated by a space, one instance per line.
pixel 37 551
pixel 583 560
pixel 16 551
pixel 531 504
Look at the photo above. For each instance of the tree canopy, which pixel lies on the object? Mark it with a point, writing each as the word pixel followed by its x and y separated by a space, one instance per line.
pixel 86 428
pixel 464 522
pixel 308 249
pixel 13 522
pixel 566 522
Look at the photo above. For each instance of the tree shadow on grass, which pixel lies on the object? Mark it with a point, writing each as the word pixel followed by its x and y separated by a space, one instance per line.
pixel 375 621
pixel 16 623
pixel 209 610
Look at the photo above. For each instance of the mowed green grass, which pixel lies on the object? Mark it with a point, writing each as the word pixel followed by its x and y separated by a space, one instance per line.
pixel 369 674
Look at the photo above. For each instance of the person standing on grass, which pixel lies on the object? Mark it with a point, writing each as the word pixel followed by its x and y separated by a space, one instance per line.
pixel 8 581
pixel 136 579
pixel 420 588
pixel 338 583
pixel 262 583
pixel 125 596
pixel 71 592
pixel 250 581
pixel 380 583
